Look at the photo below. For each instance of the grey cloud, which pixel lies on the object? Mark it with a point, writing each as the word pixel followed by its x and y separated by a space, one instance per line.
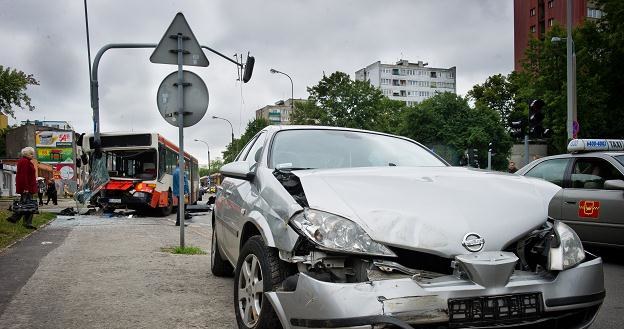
pixel 301 38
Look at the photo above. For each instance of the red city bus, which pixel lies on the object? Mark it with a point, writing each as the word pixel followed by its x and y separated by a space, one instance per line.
pixel 140 166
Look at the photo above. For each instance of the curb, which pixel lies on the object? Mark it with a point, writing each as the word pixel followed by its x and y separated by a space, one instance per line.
pixel 2 250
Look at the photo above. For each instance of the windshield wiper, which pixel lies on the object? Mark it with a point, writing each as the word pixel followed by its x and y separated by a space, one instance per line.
pixel 293 168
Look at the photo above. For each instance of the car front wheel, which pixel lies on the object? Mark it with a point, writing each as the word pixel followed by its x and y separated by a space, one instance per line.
pixel 259 270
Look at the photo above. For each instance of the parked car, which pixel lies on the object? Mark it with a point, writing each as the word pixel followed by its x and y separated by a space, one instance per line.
pixel 592 198
pixel 332 227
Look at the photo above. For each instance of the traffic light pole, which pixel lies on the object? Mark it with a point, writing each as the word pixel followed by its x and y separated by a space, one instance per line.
pixel 526 149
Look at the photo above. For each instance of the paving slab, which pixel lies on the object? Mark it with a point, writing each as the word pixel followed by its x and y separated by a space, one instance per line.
pixel 111 273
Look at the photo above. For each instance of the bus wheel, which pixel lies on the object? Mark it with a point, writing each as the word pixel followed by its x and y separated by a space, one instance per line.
pixel 166 211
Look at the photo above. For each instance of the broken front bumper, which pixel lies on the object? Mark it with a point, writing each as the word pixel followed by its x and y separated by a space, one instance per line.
pixel 569 299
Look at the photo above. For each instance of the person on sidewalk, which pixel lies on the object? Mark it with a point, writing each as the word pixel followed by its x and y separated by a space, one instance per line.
pixel 25 186
pixel 51 192
pixel 176 191
pixel 41 188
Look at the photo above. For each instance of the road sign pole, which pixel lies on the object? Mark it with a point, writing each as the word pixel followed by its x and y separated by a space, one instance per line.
pixel 489 167
pixel 181 200
pixel 526 149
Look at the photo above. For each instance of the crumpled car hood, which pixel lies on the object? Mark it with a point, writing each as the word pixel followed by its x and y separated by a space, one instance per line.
pixel 431 209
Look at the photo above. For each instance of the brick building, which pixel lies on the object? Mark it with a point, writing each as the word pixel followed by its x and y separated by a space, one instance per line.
pixel 533 18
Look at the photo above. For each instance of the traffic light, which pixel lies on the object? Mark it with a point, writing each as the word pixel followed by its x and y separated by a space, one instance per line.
pixel 536 117
pixel 475 158
pixel 491 148
pixel 517 129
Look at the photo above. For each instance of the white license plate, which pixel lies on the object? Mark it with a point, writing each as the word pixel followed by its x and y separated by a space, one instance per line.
pixel 114 200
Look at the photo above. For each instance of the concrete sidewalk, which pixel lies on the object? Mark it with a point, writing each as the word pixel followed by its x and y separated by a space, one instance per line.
pixel 110 273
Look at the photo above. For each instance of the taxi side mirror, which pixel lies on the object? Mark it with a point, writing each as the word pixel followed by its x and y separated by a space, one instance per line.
pixel 614 184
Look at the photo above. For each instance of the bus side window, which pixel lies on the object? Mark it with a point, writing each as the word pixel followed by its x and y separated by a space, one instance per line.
pixel 161 161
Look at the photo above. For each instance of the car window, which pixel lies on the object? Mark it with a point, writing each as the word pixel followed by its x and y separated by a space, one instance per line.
pixel 242 154
pixel 591 173
pixel 620 159
pixel 550 170
pixel 250 156
pixel 319 148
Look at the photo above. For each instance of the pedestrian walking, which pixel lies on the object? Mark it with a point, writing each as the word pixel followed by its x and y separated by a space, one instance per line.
pixel 51 192
pixel 41 188
pixel 25 186
pixel 176 191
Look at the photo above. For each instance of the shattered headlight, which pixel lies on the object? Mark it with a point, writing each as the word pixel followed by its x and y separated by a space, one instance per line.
pixel 567 251
pixel 337 233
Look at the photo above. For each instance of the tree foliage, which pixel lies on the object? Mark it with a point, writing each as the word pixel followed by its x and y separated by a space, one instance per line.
pixel 253 127
pixel 599 49
pixel 13 85
pixel 339 101
pixel 447 124
pixel 498 93
pixel 215 166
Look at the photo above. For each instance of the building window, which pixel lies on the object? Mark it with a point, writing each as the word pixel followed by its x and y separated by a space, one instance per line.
pixel 551 21
pixel 551 3
pixel 433 74
pixel 594 13
pixel 532 12
pixel 6 181
pixel 533 29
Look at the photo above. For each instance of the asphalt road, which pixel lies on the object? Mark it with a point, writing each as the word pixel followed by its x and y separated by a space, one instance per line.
pixel 610 315
pixel 98 272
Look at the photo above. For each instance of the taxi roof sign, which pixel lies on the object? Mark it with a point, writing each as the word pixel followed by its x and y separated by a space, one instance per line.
pixel 591 145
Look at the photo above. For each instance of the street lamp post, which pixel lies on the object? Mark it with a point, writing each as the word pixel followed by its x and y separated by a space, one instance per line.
pixel 292 88
pixel 571 121
pixel 208 147
pixel 231 127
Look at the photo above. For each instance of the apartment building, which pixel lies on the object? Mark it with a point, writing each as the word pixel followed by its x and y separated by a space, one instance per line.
pixel 409 82
pixel 533 18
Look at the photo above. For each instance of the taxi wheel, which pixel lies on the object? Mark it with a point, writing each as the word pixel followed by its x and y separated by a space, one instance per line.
pixel 259 270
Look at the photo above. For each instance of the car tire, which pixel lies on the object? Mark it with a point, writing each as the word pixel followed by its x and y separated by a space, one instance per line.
pixel 218 266
pixel 272 271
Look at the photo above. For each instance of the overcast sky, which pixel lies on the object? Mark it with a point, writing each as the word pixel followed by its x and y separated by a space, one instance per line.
pixel 303 38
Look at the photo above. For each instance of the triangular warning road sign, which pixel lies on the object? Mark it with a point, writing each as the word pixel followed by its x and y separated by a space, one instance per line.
pixel 193 54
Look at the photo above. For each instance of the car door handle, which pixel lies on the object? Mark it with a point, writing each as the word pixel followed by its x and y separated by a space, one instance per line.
pixel 228 192
pixel 570 202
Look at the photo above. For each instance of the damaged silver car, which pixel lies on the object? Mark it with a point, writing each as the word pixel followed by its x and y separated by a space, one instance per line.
pixel 333 227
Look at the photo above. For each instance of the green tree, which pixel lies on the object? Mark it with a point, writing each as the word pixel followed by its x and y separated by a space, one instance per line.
pixel 215 166
pixel 253 127
pixel 544 77
pixel 498 93
pixel 339 101
pixel 13 85
pixel 446 121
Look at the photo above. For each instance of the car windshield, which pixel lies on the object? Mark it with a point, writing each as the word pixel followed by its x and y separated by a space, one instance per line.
pixel 324 149
pixel 620 158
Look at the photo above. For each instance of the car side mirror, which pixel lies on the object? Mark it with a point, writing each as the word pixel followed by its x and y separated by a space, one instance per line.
pixel 614 184
pixel 238 170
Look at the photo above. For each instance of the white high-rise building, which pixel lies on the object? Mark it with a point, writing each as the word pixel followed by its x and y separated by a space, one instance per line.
pixel 409 82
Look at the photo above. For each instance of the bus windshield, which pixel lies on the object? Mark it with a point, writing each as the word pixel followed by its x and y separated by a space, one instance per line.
pixel 140 164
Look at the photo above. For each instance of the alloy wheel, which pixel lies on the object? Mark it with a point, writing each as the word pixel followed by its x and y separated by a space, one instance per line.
pixel 250 290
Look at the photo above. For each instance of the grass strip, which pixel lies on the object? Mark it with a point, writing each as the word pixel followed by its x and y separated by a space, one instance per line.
pixel 10 232
pixel 187 250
